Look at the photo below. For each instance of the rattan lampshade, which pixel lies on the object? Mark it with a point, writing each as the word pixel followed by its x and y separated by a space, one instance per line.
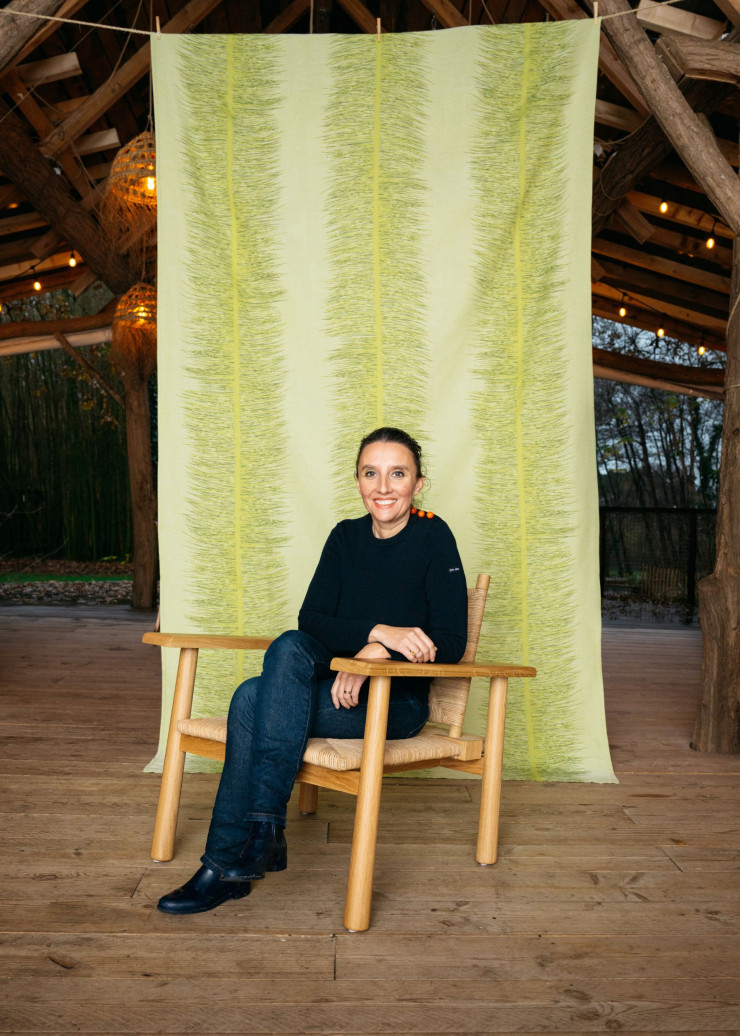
pixel 129 207
pixel 135 327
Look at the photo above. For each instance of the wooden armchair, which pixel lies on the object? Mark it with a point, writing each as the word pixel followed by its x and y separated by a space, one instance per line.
pixel 357 766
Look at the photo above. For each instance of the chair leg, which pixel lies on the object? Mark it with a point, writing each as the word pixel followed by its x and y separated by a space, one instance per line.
pixel 365 834
pixel 487 848
pixel 308 798
pixel 165 826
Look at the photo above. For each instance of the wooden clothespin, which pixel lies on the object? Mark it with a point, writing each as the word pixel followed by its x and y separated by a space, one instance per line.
pixel 596 10
pixel 377 26
pixel 159 31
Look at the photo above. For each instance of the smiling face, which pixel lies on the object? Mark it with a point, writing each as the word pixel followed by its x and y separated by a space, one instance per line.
pixel 388 479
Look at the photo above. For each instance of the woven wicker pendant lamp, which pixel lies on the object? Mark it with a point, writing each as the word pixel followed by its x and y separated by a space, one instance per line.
pixel 135 328
pixel 129 206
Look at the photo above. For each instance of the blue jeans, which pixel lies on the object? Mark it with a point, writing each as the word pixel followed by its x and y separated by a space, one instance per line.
pixel 271 718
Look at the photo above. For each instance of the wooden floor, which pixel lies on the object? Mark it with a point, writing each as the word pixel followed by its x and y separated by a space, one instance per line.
pixel 613 907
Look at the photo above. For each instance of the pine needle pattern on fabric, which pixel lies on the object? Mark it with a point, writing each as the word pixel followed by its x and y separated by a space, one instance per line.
pixel 355 233
pixel 522 402
pixel 376 303
pixel 236 363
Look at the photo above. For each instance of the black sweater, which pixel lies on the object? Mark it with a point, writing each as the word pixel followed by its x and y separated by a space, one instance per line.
pixel 414 578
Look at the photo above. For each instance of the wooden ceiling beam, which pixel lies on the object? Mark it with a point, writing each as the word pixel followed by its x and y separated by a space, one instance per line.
pixel 677 311
pixel 23 163
pixel 644 320
pixel 103 140
pixel 66 9
pixel 17 251
pixel 666 267
pixel 730 9
pixel 689 134
pixel 16 30
pixel 687 244
pixel 699 59
pixel 23 287
pixel 638 227
pixel 49 70
pixel 42 342
pixel 360 15
pixel 130 72
pixel 322 16
pixel 27 103
pixel 617 116
pixel 664 18
pixel 66 326
pixel 665 291
pixel 446 13
pixel 287 18
pixel 708 382
pixel 686 215
pixel 17 224
pixel 13 267
pixel 648 147
pixel 609 63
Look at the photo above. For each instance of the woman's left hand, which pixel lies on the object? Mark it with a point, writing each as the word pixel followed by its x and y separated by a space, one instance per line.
pixel 345 691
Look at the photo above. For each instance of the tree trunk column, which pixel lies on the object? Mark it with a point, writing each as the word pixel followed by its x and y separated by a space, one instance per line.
pixel 718 719
pixel 143 496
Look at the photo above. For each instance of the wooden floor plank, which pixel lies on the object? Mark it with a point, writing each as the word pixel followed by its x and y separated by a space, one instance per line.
pixel 611 907
pixel 574 1011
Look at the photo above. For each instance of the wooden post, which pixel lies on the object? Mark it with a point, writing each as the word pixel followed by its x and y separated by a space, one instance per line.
pixel 141 479
pixel 718 719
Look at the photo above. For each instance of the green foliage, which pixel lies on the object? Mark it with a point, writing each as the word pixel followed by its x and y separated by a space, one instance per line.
pixel 63 469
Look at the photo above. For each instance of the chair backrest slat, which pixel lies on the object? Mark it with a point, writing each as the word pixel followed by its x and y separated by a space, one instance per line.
pixel 448 697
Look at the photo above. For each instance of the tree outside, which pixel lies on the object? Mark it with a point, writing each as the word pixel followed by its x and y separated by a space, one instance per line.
pixel 658 457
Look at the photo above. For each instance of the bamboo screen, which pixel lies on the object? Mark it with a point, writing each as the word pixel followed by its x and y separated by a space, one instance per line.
pixel 357 232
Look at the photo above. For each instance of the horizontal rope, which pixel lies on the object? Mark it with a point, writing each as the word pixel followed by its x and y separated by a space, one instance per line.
pixel 76 21
pixel 149 32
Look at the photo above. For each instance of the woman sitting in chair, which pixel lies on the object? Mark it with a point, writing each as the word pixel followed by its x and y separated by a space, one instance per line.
pixel 388 585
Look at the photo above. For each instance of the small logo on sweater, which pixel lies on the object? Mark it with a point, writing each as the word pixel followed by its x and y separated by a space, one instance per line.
pixel 454 570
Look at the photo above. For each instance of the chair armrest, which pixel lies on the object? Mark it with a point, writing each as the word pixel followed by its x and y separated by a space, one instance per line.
pixel 387 668
pixel 207 641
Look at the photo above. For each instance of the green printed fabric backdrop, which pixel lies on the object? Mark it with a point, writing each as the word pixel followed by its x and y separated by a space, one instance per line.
pixel 357 232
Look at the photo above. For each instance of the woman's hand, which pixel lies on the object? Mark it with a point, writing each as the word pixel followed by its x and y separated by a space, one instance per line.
pixel 410 641
pixel 345 691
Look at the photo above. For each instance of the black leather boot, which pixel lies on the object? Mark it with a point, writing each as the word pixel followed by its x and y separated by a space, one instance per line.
pixel 204 891
pixel 266 850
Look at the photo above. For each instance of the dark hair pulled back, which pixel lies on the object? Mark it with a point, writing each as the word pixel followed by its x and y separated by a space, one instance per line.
pixel 396 435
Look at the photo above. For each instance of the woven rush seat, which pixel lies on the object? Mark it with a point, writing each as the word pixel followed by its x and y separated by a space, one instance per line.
pixel 342 753
pixel 213 728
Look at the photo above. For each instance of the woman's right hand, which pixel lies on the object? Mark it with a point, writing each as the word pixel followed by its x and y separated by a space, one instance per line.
pixel 410 641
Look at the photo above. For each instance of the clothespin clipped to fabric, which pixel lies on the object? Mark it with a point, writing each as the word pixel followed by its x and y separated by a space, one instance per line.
pixel 377 26
pixel 596 10
pixel 159 31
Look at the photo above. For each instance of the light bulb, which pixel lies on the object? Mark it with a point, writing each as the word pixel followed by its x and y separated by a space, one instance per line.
pixel 72 260
pixel 710 242
pixel 37 285
pixel 660 332
pixel 150 183
pixel 664 206
pixel 702 350
pixel 622 311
